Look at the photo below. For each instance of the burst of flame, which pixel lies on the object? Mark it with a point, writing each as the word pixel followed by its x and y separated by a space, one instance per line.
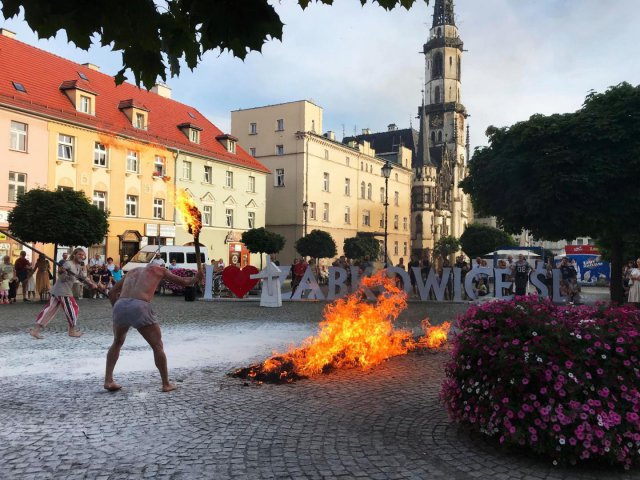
pixel 190 213
pixel 354 333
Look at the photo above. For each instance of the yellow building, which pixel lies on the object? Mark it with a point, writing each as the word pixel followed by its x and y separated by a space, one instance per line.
pixel 340 186
pixel 124 147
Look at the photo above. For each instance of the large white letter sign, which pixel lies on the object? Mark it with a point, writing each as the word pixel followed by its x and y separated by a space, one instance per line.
pixel 502 284
pixel 432 284
pixel 308 282
pixel 337 277
pixel 355 282
pixel 468 280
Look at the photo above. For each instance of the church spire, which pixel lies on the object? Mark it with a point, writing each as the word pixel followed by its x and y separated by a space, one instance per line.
pixel 423 154
pixel 443 13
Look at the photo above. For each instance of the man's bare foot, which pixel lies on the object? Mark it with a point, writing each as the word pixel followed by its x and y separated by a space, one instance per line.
pixel 169 387
pixel 35 333
pixel 75 333
pixel 112 386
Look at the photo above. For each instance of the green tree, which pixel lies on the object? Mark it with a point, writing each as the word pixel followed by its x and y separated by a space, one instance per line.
pixel 446 246
pixel 64 217
pixel 360 246
pixel 567 175
pixel 317 244
pixel 154 36
pixel 478 240
pixel 259 240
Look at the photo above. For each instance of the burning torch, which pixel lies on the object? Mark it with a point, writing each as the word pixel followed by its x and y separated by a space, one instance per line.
pixel 192 219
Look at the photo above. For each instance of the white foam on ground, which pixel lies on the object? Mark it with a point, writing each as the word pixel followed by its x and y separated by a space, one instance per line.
pixel 186 346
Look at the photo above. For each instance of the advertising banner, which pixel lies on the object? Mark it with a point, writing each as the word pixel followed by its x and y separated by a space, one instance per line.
pixel 587 262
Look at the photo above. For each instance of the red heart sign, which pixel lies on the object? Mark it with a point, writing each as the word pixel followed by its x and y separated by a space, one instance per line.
pixel 239 281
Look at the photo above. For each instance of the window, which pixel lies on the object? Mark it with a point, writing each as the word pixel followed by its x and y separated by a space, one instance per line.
pixel 131 206
pixel 325 212
pixel 229 217
pixel 18 138
pixel 326 154
pixel 404 249
pixel 194 135
pixel 253 151
pixel 186 170
pixel 347 161
pixel 395 248
pixel 396 198
pixel 253 128
pixel 19 87
pixel 207 215
pixel 361 165
pixel 363 190
pixel 366 218
pixel 381 221
pixel 85 104
pixel 99 155
pixel 347 187
pixel 325 182
pixel 65 147
pixel 396 222
pixel 382 195
pixel 228 179
pixel 436 95
pixel 396 177
pixel 280 124
pixel 405 224
pixel 279 149
pixel 347 215
pixel 208 174
pixel 100 200
pixel 158 208
pixel 251 219
pixel 312 210
pixel 17 185
pixel 369 191
pixel 158 166
pixel 140 121
pixel 132 161
pixel 419 224
pixel 279 180
pixel 251 187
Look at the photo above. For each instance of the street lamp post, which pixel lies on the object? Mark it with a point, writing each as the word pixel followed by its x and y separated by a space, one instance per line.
pixel 386 173
pixel 305 209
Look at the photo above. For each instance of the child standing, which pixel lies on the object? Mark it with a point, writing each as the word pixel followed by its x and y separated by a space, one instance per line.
pixel 4 288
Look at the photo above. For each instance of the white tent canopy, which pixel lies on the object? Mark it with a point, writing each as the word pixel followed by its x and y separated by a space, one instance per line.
pixel 514 253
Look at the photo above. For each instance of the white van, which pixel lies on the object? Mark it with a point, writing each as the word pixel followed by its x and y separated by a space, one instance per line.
pixel 185 257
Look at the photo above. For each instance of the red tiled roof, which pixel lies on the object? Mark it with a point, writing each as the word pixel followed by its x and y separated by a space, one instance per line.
pixel 43 74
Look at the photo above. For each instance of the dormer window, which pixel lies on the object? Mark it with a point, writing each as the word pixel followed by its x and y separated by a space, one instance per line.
pixel 136 112
pixel 191 131
pixel 228 141
pixel 83 99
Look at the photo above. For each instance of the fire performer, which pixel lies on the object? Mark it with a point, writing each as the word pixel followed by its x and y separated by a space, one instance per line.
pixel 131 299
pixel 62 295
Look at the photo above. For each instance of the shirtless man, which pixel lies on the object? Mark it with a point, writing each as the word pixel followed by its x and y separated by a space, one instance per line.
pixel 130 298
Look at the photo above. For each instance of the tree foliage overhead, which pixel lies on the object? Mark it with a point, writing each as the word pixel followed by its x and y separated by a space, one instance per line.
pixel 63 217
pixel 566 176
pixel 446 246
pixel 259 240
pixel 154 36
pixel 360 246
pixel 478 239
pixel 317 244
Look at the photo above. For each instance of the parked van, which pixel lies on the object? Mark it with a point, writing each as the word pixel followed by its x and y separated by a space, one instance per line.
pixel 185 257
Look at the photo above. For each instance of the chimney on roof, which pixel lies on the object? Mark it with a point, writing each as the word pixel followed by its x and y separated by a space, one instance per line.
pixel 7 33
pixel 330 135
pixel 162 89
pixel 392 127
pixel 366 131
pixel 92 66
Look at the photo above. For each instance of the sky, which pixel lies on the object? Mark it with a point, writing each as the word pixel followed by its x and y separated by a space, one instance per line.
pixel 363 67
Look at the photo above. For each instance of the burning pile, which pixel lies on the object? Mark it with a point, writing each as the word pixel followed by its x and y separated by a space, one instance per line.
pixel 354 333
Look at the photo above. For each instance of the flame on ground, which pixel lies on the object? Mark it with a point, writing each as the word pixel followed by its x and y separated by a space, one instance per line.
pixel 190 213
pixel 354 333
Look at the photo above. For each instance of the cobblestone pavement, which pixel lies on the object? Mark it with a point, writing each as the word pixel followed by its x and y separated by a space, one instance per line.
pixel 56 421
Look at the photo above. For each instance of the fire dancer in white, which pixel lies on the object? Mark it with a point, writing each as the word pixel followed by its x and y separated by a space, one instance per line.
pixel 130 298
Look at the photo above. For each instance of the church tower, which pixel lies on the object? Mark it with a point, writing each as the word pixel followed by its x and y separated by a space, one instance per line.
pixel 442 126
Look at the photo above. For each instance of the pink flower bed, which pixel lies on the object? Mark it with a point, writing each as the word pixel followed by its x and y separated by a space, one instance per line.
pixel 563 381
pixel 180 272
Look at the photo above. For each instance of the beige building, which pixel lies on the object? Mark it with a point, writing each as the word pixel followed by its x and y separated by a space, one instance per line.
pixel 341 184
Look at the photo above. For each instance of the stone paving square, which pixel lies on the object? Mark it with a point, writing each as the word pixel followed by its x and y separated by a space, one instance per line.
pixel 57 422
